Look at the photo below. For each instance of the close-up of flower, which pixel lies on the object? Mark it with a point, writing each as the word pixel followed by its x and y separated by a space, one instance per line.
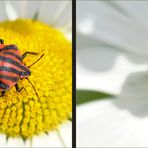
pixel 37 112
pixel 112 69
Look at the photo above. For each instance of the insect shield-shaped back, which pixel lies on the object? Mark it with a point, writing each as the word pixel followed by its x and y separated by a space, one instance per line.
pixel 11 66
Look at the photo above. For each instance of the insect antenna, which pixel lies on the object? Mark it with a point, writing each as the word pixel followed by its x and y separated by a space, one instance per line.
pixel 30 81
pixel 36 61
pixel 33 87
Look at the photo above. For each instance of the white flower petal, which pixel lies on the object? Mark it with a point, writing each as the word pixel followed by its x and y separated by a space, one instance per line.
pixel 64 20
pixel 134 94
pixel 44 140
pixel 52 8
pixel 117 122
pixel 86 41
pixel 28 143
pixel 138 135
pixel 59 13
pixel 32 8
pixel 15 142
pixel 137 10
pixel 11 12
pixel 19 8
pixel 102 123
pixel 2 140
pixel 112 27
pixel 103 68
pixel 3 14
pixel 25 9
pixel 66 133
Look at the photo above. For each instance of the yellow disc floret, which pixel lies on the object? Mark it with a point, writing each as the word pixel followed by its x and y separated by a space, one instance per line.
pixel 24 114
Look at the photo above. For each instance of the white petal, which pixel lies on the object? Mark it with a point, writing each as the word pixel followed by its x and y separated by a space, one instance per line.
pixel 2 140
pixel 31 8
pixel 3 14
pixel 108 25
pixel 135 9
pixel 53 9
pixel 102 123
pixel 117 122
pixel 18 8
pixel 59 13
pixel 134 94
pixel 138 135
pixel 45 140
pixel 25 9
pixel 28 143
pixel 103 68
pixel 66 133
pixel 60 138
pixel 55 13
pixel 15 142
pixel 11 12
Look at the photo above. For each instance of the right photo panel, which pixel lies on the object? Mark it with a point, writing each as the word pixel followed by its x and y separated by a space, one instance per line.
pixel 112 73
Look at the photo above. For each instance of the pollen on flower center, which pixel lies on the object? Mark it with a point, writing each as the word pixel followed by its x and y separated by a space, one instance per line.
pixel 23 114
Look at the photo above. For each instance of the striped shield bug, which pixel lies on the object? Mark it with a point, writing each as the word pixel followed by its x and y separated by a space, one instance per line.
pixel 12 67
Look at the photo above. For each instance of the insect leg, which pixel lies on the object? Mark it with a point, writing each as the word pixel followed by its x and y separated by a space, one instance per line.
pixel 1 41
pixel 17 88
pixel 24 55
pixel 2 94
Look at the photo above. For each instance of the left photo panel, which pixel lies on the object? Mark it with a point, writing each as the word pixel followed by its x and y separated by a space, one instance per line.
pixel 36 73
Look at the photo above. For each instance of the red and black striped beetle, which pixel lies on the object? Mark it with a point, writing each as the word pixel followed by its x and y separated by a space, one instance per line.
pixel 12 67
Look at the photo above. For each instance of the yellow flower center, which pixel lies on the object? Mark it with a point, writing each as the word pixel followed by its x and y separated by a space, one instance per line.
pixel 23 113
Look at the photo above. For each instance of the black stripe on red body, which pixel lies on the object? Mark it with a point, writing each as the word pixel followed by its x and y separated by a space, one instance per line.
pixel 11 67
pixel 13 54
pixel 7 47
pixel 4 86
pixel 6 77
pixel 20 66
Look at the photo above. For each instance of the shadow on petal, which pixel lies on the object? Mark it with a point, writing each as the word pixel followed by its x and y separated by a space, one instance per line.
pixel 134 94
pixel 98 58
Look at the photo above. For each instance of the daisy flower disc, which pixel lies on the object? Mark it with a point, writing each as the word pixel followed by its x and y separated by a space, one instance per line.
pixel 23 114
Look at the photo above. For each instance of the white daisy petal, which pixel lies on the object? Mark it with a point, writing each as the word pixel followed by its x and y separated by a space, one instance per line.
pixel 86 41
pixel 136 136
pixel 66 133
pixel 32 8
pixel 134 94
pixel 117 122
pixel 52 9
pixel 137 10
pixel 2 140
pixel 103 68
pixel 112 27
pixel 25 9
pixel 3 13
pixel 28 143
pixel 102 123
pixel 15 142
pixel 59 13
pixel 66 16
pixel 11 12
pixel 44 140
pixel 18 7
